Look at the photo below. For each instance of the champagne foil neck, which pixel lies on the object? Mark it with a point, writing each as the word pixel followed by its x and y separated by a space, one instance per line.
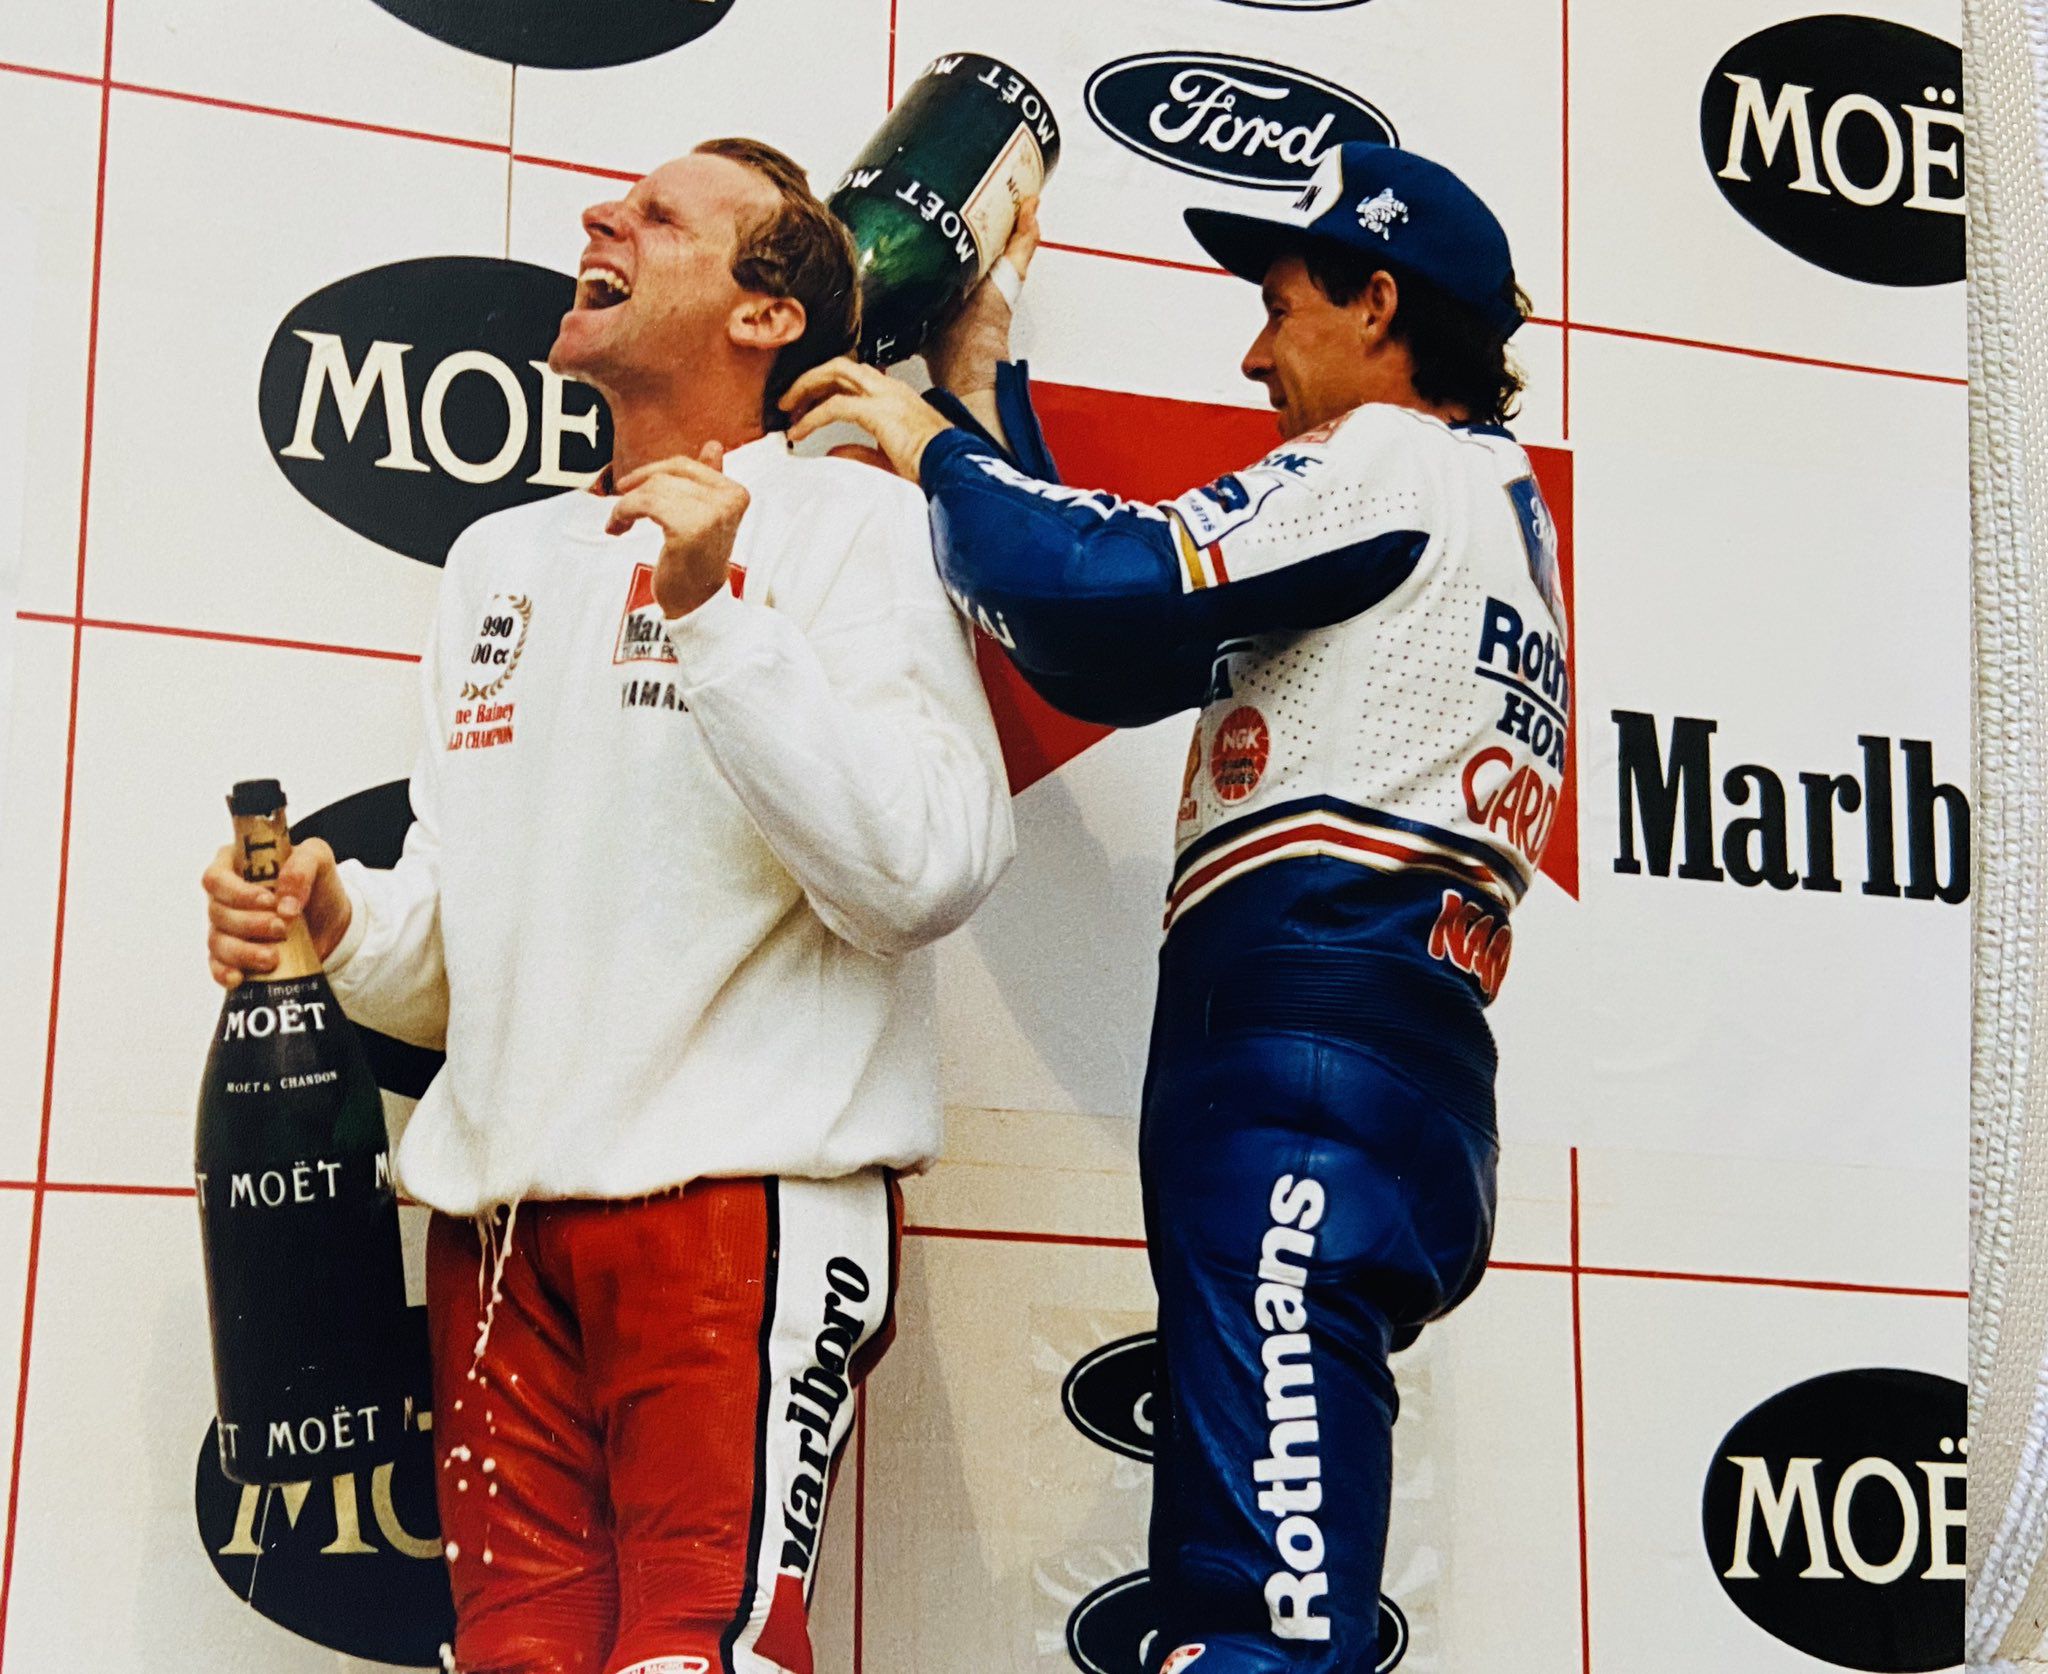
pixel 256 797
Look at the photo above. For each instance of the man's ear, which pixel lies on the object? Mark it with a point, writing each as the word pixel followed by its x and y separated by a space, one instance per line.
pixel 767 322
pixel 1373 308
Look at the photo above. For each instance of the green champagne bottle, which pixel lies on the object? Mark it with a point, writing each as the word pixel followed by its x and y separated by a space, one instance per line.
pixel 933 198
pixel 298 1214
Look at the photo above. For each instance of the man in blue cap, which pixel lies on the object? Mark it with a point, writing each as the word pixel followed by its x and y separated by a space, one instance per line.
pixel 1368 621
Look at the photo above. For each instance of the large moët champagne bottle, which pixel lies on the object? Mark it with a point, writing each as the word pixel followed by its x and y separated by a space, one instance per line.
pixel 298 1214
pixel 933 198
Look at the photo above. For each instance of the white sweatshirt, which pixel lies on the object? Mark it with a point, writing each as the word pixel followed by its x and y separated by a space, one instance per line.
pixel 667 898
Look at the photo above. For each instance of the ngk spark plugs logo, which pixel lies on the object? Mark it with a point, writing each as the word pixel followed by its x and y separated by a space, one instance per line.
pixel 1239 120
pixel 350 1562
pixel 1841 138
pixel 408 401
pixel 1834 1517
pixel 562 34
pixel 1889 826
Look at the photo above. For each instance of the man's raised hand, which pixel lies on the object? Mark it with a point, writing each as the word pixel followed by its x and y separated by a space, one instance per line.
pixel 844 391
pixel 699 509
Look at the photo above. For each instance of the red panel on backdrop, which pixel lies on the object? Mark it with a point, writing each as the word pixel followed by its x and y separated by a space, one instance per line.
pixel 1147 447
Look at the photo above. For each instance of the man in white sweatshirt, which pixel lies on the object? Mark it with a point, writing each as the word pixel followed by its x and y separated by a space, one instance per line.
pixel 706 767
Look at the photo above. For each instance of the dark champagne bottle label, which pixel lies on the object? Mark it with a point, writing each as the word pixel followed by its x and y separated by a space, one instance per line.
pixel 298 1218
pixel 933 198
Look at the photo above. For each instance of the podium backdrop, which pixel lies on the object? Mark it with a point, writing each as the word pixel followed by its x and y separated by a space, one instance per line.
pixel 273 280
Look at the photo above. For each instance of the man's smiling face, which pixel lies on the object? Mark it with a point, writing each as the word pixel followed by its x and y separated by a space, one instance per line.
pixel 654 288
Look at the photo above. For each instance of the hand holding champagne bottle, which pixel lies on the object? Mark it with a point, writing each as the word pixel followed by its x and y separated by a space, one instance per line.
pixel 250 920
pixel 962 350
pixel 298 1210
pixel 933 197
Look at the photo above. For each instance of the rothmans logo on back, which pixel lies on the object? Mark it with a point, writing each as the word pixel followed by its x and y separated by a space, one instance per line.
pixel 1239 120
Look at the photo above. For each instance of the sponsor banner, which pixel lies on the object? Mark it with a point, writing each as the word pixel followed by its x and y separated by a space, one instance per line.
pixel 349 1562
pixel 1811 161
pixel 1834 1516
pixel 1239 120
pixel 560 34
pixel 1841 138
pixel 410 400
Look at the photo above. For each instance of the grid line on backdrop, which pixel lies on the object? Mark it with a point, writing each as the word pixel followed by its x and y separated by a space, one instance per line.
pixel 41 1186
pixel 35 1225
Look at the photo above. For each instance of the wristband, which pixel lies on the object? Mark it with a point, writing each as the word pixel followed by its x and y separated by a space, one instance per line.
pixel 1009 283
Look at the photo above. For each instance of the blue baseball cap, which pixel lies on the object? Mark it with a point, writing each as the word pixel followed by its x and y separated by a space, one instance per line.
pixel 1381 201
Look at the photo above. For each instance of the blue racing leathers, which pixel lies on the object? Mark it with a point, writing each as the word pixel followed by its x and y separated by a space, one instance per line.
pixel 1368 620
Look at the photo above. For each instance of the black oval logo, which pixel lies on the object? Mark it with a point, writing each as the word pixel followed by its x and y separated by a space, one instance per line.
pixel 1841 138
pixel 1225 118
pixel 1834 1516
pixel 408 401
pixel 1109 1394
pixel 1113 1627
pixel 562 34
pixel 350 1562
pixel 1297 5
pixel 371 826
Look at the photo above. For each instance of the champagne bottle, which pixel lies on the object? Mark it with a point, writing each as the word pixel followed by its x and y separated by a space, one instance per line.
pixel 933 198
pixel 298 1214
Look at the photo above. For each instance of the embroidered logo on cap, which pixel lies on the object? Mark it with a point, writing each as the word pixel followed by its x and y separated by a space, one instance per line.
pixel 1379 214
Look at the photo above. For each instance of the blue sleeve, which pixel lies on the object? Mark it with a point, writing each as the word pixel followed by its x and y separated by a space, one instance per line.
pixel 1027 450
pixel 1115 610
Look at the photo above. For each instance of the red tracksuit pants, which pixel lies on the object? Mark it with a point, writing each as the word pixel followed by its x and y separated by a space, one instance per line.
pixel 633 1468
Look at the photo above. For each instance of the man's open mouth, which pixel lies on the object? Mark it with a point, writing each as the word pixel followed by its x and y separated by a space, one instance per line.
pixel 601 287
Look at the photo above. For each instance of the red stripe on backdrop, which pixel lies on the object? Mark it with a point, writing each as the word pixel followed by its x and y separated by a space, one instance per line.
pixel 35 1225
pixel 893 7
pixel 1142 261
pixel 352 125
pixel 1005 1235
pixel 260 640
pixel 1770 354
pixel 1555 476
pixel 573 168
pixel 49 75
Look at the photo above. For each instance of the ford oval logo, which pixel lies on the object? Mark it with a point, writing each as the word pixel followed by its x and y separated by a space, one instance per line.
pixel 1109 1394
pixel 1239 120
